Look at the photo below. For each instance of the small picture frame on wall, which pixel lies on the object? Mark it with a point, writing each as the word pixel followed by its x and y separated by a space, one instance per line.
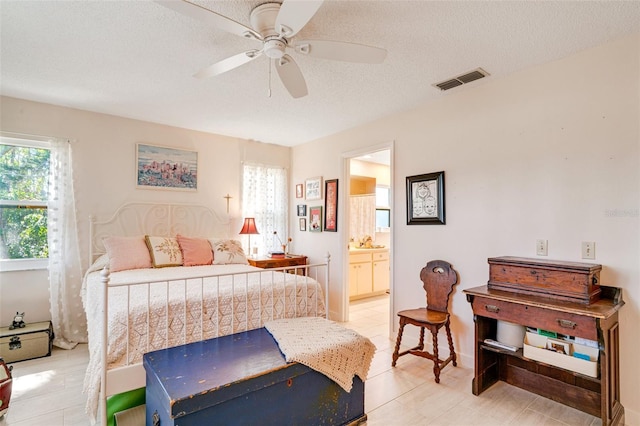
pixel 315 219
pixel 302 222
pixel 331 205
pixel 313 188
pixel 425 199
pixel 299 190
pixel 302 209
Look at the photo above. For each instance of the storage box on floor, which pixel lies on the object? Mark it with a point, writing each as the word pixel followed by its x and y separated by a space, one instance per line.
pixel 243 379
pixel 31 341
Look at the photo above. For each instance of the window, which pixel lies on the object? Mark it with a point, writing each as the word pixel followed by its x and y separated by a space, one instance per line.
pixel 265 198
pixel 24 182
pixel 383 196
pixel 383 211
pixel 383 220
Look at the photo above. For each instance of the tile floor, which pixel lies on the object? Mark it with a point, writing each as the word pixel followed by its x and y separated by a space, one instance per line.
pixel 48 391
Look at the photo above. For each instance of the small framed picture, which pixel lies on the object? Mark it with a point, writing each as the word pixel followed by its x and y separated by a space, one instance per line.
pixel 299 190
pixel 302 223
pixel 425 199
pixel 315 219
pixel 302 209
pixel 313 188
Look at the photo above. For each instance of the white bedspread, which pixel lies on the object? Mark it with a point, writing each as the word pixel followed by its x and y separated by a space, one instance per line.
pixel 179 307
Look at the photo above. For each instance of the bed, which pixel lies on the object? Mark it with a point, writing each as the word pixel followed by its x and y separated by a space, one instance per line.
pixel 145 308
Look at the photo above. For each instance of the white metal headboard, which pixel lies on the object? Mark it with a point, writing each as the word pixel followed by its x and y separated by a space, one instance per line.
pixel 163 220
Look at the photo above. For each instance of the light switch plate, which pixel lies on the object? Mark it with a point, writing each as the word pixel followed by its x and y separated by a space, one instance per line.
pixel 541 247
pixel 588 250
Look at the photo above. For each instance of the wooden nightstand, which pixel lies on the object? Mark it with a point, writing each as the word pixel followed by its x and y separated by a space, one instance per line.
pixel 289 260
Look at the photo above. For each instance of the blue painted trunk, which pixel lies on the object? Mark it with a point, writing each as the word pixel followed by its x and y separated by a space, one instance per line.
pixel 243 379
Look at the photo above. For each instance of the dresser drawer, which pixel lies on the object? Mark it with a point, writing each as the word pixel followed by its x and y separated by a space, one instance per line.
pixel 547 319
pixel 381 256
pixel 359 257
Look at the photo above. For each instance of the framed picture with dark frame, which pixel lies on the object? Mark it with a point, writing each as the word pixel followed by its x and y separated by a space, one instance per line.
pixel 425 199
pixel 315 219
pixel 302 222
pixel 302 209
pixel 331 205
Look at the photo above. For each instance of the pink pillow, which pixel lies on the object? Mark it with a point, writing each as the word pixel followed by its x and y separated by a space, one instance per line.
pixel 127 253
pixel 195 251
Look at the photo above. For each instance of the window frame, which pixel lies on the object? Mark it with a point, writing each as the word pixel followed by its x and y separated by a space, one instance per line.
pixel 8 265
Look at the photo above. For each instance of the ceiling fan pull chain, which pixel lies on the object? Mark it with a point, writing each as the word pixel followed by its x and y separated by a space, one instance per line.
pixel 269 85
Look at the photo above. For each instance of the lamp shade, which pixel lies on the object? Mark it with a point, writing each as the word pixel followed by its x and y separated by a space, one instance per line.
pixel 249 226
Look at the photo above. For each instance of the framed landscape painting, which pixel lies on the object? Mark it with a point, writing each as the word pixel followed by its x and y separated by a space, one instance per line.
pixel 159 167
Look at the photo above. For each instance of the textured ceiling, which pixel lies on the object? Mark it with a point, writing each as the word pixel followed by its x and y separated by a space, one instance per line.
pixel 136 58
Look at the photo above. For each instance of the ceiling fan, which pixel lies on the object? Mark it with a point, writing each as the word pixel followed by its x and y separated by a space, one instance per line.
pixel 275 25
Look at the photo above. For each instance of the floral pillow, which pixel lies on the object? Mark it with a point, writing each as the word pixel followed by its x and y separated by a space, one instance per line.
pixel 164 251
pixel 127 253
pixel 195 251
pixel 228 251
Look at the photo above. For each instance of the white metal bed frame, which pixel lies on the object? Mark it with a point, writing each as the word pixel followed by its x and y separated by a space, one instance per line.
pixel 168 220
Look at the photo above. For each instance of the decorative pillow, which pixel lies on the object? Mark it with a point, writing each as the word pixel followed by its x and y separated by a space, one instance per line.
pixel 228 251
pixel 195 251
pixel 164 251
pixel 127 253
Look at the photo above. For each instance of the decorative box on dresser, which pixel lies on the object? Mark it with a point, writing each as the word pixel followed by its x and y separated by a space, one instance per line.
pixel 594 318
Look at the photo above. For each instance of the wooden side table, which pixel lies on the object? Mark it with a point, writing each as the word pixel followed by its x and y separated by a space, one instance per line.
pixel 598 396
pixel 268 262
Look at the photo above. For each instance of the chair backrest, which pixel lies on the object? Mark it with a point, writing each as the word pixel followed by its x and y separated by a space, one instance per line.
pixel 438 278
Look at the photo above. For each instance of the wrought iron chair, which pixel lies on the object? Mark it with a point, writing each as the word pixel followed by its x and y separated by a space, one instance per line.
pixel 438 278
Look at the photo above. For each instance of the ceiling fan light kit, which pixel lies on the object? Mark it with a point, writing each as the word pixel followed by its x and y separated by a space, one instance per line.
pixel 274 25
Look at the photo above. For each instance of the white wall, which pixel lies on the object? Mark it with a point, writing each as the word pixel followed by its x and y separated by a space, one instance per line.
pixel 103 153
pixel 549 153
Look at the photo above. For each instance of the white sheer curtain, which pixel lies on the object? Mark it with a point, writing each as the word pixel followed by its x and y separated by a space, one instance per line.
pixel 362 217
pixel 265 197
pixel 65 272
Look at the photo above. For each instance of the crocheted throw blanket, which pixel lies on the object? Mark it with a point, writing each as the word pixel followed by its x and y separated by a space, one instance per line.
pixel 325 346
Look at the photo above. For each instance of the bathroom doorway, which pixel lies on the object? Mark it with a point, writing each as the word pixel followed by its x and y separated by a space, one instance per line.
pixel 370 236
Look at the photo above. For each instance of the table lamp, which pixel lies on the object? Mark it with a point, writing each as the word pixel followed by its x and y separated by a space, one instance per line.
pixel 248 228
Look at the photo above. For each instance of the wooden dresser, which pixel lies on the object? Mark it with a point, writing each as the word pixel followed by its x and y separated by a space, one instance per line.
pixel 289 260
pixel 598 321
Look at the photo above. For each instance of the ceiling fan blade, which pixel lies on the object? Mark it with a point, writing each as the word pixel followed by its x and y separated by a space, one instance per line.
pixel 210 17
pixel 291 76
pixel 228 64
pixel 341 51
pixel 294 14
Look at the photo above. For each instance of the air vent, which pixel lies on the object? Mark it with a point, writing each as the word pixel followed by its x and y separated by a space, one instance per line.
pixel 462 79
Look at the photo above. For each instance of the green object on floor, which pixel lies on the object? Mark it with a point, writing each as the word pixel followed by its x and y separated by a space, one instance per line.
pixel 123 401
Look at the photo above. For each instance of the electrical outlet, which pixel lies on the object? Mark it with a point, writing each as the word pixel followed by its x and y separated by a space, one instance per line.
pixel 588 250
pixel 541 247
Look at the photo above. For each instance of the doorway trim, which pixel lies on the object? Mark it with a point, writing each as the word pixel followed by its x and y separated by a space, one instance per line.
pixel 346 173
